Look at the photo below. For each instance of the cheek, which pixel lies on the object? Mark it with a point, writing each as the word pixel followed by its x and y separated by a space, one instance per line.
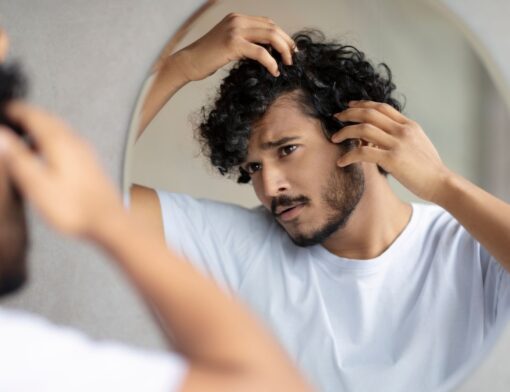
pixel 259 191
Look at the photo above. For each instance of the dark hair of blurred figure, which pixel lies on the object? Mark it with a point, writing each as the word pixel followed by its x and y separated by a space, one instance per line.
pixel 13 228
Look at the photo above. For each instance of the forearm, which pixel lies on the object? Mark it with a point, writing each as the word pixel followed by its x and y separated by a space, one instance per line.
pixel 485 216
pixel 209 328
pixel 169 79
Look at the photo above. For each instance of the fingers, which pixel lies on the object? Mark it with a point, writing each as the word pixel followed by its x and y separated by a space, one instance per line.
pixel 4 45
pixel 262 22
pixel 47 131
pixel 364 154
pixel 273 37
pixel 258 53
pixel 383 108
pixel 370 116
pixel 260 30
pixel 24 167
pixel 365 132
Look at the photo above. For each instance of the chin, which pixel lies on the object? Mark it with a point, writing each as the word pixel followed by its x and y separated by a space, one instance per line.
pixel 310 239
pixel 319 235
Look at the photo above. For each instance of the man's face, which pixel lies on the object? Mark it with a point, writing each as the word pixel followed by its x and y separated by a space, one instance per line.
pixel 13 237
pixel 295 176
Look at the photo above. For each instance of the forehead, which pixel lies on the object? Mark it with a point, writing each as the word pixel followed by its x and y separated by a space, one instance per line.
pixel 284 118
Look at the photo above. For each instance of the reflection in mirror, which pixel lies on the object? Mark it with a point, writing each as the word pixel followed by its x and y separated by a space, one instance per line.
pixel 367 280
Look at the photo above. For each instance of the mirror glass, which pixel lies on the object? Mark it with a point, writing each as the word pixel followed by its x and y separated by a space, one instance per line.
pixel 445 88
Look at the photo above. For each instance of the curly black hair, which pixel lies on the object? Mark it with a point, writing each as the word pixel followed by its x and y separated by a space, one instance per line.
pixel 327 75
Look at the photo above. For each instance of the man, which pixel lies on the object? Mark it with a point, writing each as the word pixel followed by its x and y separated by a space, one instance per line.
pixel 221 347
pixel 366 291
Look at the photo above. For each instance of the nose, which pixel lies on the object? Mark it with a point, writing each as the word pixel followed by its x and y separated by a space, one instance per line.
pixel 274 182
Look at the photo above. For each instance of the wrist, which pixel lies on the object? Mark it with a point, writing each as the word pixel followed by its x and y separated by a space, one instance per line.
pixel 108 230
pixel 176 67
pixel 446 188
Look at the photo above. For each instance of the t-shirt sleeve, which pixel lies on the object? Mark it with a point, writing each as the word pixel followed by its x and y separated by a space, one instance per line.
pixel 479 274
pixel 38 356
pixel 219 238
pixel 497 288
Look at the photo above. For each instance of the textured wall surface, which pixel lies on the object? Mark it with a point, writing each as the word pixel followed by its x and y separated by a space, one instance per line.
pixel 87 60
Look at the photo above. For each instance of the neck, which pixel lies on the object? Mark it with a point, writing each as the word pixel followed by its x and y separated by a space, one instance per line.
pixel 377 221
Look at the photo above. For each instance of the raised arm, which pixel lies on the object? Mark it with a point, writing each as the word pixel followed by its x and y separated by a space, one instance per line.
pixel 228 350
pixel 233 38
pixel 400 146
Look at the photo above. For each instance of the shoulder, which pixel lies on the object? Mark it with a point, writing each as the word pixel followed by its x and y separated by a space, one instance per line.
pixel 36 351
pixel 145 206
pixel 212 209
pixel 434 219
pixel 444 235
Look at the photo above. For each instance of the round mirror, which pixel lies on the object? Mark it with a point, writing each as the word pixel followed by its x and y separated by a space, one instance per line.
pixel 358 321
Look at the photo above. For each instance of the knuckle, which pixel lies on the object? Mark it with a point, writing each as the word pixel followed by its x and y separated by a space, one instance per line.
pixel 366 127
pixel 383 106
pixel 273 33
pixel 403 130
pixel 269 21
pixel 232 15
pixel 366 113
pixel 412 124
pixel 234 18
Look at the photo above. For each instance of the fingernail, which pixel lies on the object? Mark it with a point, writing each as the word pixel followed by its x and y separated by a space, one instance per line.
pixel 277 73
pixel 352 103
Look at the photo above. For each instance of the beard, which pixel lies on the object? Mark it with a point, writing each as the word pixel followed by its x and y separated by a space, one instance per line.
pixel 13 244
pixel 341 195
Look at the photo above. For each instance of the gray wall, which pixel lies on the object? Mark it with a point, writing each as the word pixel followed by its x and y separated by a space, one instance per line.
pixel 87 60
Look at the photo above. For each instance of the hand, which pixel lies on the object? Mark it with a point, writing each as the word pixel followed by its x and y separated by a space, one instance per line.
pixel 63 180
pixel 4 45
pixel 236 37
pixel 394 142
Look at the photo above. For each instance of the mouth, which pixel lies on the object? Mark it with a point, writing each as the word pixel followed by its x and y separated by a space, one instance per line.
pixel 289 213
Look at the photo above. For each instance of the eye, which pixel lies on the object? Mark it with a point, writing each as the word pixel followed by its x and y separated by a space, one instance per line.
pixel 287 150
pixel 252 167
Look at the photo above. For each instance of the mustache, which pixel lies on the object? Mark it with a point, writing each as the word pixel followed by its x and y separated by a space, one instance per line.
pixel 285 201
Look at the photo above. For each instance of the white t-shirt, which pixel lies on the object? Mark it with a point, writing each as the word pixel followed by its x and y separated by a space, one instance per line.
pixel 405 320
pixel 38 356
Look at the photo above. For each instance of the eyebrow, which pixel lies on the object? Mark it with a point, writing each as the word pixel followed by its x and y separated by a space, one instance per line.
pixel 278 143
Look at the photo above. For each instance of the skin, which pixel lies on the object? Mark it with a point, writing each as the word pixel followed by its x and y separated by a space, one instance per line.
pixel 387 138
pixel 401 147
pixel 226 348
pixel 13 238
pixel 13 231
pixel 287 150
pixel 233 38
